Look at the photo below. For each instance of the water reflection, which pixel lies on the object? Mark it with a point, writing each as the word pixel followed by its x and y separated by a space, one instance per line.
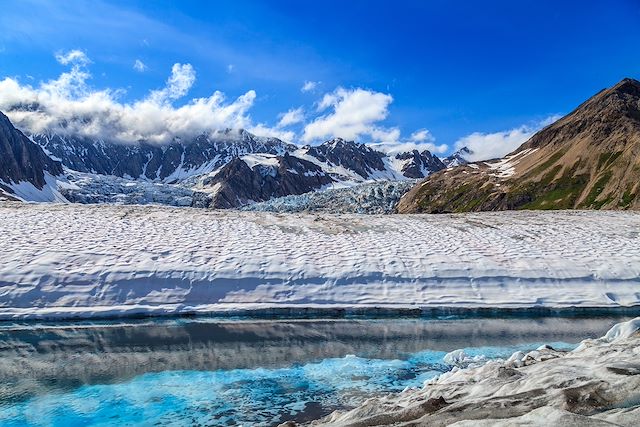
pixel 272 369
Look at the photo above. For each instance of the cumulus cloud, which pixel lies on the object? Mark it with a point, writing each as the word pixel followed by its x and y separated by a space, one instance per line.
pixel 354 113
pixel 309 86
pixel 178 84
pixel 74 56
pixel 139 66
pixel 262 129
pixel 420 140
pixel 403 147
pixel 69 105
pixel 422 135
pixel 485 146
pixel 291 117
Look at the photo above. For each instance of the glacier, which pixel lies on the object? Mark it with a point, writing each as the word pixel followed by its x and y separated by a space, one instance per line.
pixel 69 260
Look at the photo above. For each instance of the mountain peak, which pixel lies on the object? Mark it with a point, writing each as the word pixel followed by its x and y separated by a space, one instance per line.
pixel 627 91
pixel 586 160
pixel 626 83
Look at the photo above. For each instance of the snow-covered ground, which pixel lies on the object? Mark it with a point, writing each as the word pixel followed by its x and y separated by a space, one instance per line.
pixel 595 385
pixel 90 260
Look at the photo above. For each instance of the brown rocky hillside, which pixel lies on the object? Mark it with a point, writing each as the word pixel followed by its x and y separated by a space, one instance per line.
pixel 589 159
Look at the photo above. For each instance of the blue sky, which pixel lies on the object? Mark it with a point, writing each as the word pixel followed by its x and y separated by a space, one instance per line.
pixel 456 69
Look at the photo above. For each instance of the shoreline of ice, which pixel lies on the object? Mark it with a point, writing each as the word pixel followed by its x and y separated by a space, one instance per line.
pixel 594 385
pixel 77 261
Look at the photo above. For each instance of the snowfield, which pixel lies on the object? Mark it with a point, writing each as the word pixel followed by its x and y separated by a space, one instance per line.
pixel 98 260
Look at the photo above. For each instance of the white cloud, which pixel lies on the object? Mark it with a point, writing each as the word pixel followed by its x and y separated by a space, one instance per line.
pixel 403 147
pixel 309 86
pixel 422 135
pixel 291 117
pixel 230 68
pixel 419 140
pixel 74 56
pixel 139 66
pixel 178 84
pixel 485 146
pixel 355 112
pixel 549 120
pixel 69 105
pixel 263 130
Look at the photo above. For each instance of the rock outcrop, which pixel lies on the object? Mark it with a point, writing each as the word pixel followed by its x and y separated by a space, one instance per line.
pixel 21 160
pixel 260 178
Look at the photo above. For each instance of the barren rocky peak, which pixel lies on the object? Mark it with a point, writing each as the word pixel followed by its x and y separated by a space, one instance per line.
pixel 611 109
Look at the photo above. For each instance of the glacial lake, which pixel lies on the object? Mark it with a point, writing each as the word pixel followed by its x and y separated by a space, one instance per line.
pixel 208 371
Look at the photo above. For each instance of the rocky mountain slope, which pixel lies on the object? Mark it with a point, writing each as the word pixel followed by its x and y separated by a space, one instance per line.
pixel 23 164
pixel 256 178
pixel 590 159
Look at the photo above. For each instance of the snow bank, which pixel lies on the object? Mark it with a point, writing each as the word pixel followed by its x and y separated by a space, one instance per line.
pixel 594 386
pixel 87 260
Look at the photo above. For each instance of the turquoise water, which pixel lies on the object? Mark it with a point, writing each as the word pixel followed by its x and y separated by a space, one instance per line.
pixel 240 373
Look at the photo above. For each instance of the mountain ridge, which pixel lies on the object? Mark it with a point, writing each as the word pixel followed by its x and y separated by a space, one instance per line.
pixel 588 159
pixel 193 167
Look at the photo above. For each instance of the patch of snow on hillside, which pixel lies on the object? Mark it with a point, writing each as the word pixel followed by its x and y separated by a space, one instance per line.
pixel 253 160
pixel 27 192
pixel 505 167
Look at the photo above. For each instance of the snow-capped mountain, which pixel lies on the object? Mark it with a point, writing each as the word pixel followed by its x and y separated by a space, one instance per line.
pixel 353 162
pixel 260 177
pixel 171 162
pixel 460 157
pixel 415 164
pixel 336 163
pixel 345 157
pixel 228 168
